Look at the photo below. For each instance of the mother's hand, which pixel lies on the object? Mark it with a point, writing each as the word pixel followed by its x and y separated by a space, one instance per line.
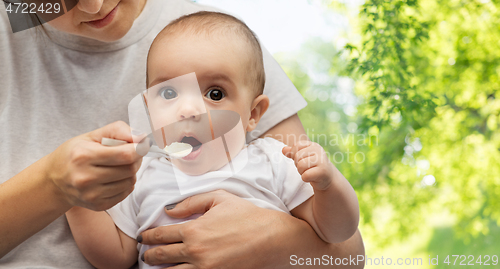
pixel 234 233
pixel 91 175
pixel 80 172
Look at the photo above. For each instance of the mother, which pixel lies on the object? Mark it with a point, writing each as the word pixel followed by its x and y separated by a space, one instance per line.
pixel 68 83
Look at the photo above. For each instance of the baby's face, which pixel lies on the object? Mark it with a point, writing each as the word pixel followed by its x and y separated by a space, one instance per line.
pixel 181 101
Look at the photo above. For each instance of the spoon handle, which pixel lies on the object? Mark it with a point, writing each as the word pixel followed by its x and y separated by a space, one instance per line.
pixel 112 142
pixel 141 150
pixel 153 151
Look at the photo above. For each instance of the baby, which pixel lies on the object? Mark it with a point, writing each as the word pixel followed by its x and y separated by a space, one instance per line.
pixel 206 80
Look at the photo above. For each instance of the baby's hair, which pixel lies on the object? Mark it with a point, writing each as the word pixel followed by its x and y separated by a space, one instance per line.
pixel 210 23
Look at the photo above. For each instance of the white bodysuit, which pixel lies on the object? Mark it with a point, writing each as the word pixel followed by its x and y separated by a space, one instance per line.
pixel 266 178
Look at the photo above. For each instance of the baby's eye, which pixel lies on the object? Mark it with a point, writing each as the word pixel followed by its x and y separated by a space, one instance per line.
pixel 215 94
pixel 168 93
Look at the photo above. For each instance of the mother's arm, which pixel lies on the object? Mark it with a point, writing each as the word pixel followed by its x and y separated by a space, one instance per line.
pixel 288 131
pixel 28 203
pixel 234 233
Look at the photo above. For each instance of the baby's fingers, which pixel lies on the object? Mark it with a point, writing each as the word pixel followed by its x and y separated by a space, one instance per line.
pixel 307 162
pixel 318 177
pixel 297 147
pixel 312 174
pixel 287 151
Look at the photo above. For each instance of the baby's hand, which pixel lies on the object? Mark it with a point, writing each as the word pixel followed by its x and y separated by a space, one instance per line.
pixel 312 163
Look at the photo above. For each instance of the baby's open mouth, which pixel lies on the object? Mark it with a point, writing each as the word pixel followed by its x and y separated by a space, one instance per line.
pixel 191 141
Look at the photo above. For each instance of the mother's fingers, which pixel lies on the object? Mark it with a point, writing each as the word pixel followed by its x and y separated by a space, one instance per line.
pixel 112 189
pixel 110 174
pixel 183 266
pixel 99 199
pixel 173 253
pixel 116 130
pixel 162 235
pixel 98 154
pixel 198 204
pixel 107 203
pixel 100 180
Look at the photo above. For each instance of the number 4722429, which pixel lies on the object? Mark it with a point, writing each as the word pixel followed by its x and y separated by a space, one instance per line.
pixel 471 260
pixel 32 8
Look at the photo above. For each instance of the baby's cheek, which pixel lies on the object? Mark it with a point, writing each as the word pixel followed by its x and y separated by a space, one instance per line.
pixel 161 116
pixel 235 139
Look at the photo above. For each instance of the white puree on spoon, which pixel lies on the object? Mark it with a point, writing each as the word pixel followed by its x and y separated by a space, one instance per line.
pixel 178 149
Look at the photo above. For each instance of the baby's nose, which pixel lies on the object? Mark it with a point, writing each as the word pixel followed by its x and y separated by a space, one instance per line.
pixel 190 112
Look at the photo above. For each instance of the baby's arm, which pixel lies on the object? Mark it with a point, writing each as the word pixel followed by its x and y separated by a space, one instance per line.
pixel 333 211
pixel 100 241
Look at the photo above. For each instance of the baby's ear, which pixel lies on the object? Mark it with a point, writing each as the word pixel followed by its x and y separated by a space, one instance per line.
pixel 259 107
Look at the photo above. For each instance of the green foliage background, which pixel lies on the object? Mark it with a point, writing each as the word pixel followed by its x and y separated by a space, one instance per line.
pixel 426 103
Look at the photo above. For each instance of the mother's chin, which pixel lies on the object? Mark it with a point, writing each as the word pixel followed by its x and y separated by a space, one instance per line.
pixel 112 21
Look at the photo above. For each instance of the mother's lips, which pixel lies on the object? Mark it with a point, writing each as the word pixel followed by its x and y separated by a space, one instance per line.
pixel 104 21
